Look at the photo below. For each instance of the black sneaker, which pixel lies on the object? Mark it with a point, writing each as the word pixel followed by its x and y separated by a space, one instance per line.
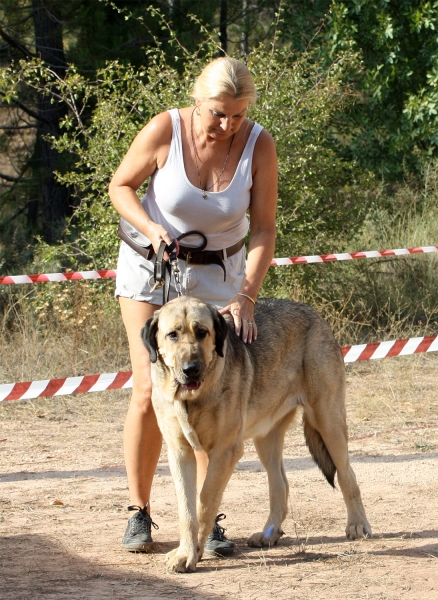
pixel 216 542
pixel 137 536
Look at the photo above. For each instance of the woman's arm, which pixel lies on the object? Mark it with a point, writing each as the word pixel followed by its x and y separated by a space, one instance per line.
pixel 148 152
pixel 262 235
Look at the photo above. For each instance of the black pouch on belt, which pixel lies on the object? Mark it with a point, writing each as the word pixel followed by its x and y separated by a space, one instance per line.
pixel 135 239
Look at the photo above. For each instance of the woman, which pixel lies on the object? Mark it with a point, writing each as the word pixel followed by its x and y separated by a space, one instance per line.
pixel 209 165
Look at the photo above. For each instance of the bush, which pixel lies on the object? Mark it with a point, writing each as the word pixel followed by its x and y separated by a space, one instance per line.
pixel 376 299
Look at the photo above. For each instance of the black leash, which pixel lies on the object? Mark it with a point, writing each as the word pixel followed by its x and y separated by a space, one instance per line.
pixel 163 269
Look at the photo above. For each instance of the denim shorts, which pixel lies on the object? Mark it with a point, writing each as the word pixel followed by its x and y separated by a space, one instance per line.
pixel 206 282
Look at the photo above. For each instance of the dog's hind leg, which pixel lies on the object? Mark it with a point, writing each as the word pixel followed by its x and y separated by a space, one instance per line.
pixel 325 430
pixel 270 451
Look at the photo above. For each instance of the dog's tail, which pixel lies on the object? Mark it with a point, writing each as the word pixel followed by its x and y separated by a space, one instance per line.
pixel 319 451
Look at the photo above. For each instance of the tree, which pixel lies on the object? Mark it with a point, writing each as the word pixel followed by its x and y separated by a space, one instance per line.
pixel 53 198
pixel 37 193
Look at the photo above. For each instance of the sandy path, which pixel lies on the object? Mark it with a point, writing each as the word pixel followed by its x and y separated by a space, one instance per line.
pixel 70 451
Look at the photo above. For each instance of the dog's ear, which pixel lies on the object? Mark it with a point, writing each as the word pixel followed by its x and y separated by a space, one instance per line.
pixel 149 337
pixel 220 330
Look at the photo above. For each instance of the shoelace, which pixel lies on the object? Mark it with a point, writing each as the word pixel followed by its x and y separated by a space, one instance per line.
pixel 142 524
pixel 218 530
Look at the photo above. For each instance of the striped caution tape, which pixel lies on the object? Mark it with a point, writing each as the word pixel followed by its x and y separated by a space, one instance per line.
pixel 50 277
pixel 320 258
pixel 65 386
pixel 388 349
pixel 123 380
pixel 276 262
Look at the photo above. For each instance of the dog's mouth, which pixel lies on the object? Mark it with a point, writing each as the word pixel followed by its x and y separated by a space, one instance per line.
pixel 190 385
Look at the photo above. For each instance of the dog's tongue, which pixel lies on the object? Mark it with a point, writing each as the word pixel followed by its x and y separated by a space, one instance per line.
pixel 192 385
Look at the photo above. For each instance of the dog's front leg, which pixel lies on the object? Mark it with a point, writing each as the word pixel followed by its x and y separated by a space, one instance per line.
pixel 182 465
pixel 221 462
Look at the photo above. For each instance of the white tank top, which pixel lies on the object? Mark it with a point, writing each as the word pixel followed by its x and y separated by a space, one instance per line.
pixel 176 204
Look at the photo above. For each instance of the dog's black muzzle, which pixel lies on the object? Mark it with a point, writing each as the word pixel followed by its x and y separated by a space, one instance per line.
pixel 192 375
pixel 191 369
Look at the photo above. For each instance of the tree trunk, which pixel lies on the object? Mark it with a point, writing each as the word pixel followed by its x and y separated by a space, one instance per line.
pixel 223 35
pixel 53 198
pixel 245 29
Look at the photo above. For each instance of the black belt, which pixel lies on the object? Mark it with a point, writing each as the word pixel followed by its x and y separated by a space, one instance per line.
pixel 208 257
pixel 195 256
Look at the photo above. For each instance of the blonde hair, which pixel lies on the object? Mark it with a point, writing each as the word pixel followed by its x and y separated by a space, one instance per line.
pixel 225 76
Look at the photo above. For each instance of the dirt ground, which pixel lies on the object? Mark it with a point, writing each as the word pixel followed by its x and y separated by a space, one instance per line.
pixel 70 450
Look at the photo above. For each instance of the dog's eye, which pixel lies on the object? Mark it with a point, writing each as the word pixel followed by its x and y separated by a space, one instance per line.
pixel 201 333
pixel 173 335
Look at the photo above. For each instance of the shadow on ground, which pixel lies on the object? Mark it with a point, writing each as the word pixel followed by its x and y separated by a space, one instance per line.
pixel 36 566
pixel 252 466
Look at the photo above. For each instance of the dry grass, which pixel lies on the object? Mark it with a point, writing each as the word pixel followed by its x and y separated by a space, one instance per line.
pixel 79 333
pixel 72 330
pixel 377 299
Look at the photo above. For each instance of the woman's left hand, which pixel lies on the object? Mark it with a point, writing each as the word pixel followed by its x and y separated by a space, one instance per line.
pixel 242 311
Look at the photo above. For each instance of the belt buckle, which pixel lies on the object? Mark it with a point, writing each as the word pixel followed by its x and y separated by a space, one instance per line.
pixel 189 254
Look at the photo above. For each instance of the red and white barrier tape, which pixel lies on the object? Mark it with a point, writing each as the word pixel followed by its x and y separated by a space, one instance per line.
pixel 115 381
pixel 294 260
pixel 388 349
pixel 319 258
pixel 65 386
pixel 46 277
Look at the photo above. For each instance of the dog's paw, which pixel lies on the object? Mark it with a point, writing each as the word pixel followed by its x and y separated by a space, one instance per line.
pixel 180 562
pixel 267 538
pixel 357 530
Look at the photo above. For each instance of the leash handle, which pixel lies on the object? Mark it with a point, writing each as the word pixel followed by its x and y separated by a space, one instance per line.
pixel 159 267
pixel 176 245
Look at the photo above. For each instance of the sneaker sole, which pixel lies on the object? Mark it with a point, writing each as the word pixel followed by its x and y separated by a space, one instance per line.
pixel 147 547
pixel 223 552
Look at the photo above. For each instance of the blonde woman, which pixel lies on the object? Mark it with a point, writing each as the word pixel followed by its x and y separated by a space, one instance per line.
pixel 210 167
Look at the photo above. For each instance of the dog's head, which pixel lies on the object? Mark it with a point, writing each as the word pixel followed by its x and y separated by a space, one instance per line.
pixel 186 334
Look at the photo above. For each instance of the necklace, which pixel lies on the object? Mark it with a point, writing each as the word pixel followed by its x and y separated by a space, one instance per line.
pixel 197 158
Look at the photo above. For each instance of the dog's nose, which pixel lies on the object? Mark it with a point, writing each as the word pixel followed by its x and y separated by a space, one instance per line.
pixel 191 369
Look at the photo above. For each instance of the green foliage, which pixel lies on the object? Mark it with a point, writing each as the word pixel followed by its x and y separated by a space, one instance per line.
pixel 333 116
pixel 394 126
pixel 322 198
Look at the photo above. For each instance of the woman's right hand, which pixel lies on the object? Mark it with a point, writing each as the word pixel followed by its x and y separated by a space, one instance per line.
pixel 157 233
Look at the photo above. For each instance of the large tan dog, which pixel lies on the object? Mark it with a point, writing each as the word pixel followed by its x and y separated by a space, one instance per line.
pixel 211 391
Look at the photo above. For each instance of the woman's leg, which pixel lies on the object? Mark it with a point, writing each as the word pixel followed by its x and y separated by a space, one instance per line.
pixel 142 437
pixel 201 468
